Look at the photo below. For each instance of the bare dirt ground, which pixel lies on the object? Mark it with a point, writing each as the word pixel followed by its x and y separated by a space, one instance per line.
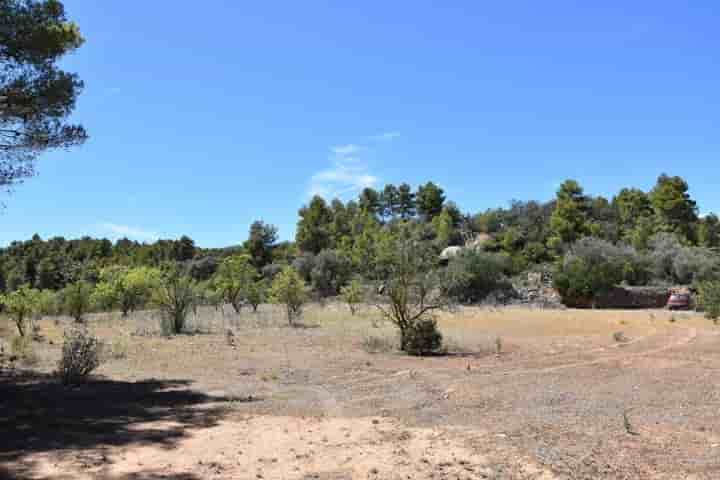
pixel 562 399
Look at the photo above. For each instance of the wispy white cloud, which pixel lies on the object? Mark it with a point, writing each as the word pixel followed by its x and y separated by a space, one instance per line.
pixel 347 150
pixel 385 136
pixel 348 173
pixel 119 231
pixel 346 176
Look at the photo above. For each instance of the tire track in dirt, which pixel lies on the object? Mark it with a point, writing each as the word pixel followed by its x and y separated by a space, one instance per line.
pixel 692 334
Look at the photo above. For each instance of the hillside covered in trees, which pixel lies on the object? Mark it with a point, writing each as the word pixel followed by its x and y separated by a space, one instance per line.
pixel 652 237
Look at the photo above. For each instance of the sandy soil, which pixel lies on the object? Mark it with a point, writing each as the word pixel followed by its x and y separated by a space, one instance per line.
pixel 561 399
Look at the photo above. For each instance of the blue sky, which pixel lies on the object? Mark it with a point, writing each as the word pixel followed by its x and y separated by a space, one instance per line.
pixel 207 116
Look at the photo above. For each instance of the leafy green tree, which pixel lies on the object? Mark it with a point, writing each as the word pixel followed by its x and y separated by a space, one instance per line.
pixel 569 220
pixel 675 211
pixel 473 275
pixel 632 205
pixel 313 229
pixel 641 234
pixel 331 270
pixel 709 231
pixel 590 269
pixel 411 287
pixel 76 299
pixel 232 279
pixel 289 289
pixel 369 201
pixel 352 294
pixel 256 293
pixel 21 305
pixel 36 97
pixel 429 200
pixel 406 202
pixel 184 249
pixel 444 229
pixel 175 295
pixel 260 243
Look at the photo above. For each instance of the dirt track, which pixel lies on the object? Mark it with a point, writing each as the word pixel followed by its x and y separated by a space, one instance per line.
pixel 310 403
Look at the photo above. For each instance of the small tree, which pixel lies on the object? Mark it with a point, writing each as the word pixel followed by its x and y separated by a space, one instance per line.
pixel 710 299
pixel 289 289
pixel 413 287
pixel 352 294
pixel 21 305
pixel 175 296
pixel 76 299
pixel 233 276
pixel 256 293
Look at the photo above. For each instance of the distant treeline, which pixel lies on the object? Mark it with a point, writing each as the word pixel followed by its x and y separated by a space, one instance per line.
pixel 346 235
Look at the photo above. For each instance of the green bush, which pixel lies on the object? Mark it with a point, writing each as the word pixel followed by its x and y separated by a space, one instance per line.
pixel 423 338
pixel 289 289
pixel 473 275
pixel 709 299
pixel 175 295
pixel 76 299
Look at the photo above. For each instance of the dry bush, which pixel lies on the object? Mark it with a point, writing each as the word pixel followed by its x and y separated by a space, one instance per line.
pixel 379 344
pixel 21 347
pixel 81 354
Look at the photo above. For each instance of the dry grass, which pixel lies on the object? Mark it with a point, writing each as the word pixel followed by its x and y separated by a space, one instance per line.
pixel 560 385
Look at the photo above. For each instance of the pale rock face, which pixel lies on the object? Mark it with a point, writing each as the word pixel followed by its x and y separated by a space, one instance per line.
pixel 450 252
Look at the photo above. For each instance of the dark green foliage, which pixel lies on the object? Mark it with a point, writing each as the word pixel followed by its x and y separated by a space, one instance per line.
pixel 260 243
pixel 472 275
pixel 76 299
pixel 710 298
pixel 313 229
pixel 675 211
pixel 370 202
pixel 331 270
pixel 429 200
pixel 569 220
pixel 36 97
pixel 423 338
pixel 590 269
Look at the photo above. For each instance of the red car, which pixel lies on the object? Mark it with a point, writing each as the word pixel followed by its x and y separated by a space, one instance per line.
pixel 679 301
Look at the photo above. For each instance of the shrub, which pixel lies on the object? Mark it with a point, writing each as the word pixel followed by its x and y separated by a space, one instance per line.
pixel 472 275
pixel 352 294
pixel 81 354
pixel 256 293
pixel 175 296
pixel 592 267
pixel 710 299
pixel 289 289
pixel 76 299
pixel 22 348
pixel 21 305
pixel 330 272
pixel 233 277
pixel 423 337
pixel 378 344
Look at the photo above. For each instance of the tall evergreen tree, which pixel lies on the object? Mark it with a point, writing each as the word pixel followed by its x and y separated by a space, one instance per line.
pixel 313 229
pixel 406 202
pixel 36 97
pixel 675 211
pixel 429 200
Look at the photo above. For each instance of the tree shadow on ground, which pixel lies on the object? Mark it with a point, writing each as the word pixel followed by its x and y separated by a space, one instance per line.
pixel 38 414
